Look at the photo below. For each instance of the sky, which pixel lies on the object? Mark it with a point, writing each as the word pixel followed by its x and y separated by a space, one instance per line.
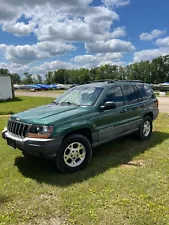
pixel 38 36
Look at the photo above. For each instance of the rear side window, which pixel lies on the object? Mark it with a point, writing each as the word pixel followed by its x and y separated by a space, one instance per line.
pixel 115 95
pixel 145 91
pixel 131 95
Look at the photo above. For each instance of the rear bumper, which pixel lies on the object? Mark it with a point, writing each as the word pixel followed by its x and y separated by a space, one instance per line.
pixel 34 146
pixel 155 114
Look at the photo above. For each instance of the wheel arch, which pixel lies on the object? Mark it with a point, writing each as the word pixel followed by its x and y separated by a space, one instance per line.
pixel 150 114
pixel 83 131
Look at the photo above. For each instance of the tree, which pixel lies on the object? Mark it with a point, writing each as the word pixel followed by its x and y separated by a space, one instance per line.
pixel 16 78
pixel 39 79
pixel 28 79
pixel 59 76
pixel 49 77
pixel 4 71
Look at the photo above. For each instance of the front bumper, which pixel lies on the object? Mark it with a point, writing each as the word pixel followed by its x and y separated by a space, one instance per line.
pixel 34 146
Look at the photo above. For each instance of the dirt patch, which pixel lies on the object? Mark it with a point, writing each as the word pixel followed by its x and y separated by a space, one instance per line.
pixel 5 116
pixel 135 163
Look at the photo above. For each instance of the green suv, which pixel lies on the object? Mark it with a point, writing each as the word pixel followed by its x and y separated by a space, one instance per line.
pixel 83 117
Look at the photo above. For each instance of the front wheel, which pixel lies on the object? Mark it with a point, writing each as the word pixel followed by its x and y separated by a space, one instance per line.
pixel 145 129
pixel 74 154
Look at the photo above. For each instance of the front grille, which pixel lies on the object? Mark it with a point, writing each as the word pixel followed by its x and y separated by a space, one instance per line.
pixel 17 128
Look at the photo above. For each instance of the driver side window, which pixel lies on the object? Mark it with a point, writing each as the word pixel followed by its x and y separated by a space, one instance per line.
pixel 115 95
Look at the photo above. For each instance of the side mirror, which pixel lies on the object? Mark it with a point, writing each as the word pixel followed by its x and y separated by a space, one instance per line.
pixel 108 105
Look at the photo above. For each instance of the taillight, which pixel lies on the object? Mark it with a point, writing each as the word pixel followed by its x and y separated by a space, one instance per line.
pixel 157 103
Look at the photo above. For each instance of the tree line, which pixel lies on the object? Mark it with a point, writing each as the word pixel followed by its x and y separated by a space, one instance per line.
pixel 156 71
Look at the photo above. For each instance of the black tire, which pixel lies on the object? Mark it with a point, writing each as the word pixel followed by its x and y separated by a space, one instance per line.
pixel 64 157
pixel 25 154
pixel 141 132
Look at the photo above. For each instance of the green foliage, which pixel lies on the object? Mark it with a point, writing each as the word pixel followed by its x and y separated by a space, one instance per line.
pixel 16 78
pixel 4 71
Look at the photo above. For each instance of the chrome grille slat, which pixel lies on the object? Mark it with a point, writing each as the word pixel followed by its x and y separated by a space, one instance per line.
pixel 9 122
pixel 17 128
pixel 23 129
pixel 12 127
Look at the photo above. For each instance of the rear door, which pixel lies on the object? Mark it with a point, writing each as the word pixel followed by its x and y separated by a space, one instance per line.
pixel 133 109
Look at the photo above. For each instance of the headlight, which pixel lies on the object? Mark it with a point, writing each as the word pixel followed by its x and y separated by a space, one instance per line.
pixel 40 131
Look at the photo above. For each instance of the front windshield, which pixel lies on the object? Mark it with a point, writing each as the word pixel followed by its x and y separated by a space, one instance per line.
pixel 85 96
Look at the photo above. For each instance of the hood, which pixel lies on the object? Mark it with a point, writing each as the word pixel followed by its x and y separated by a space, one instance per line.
pixel 48 113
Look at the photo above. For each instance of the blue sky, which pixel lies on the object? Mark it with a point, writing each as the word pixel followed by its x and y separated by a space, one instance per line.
pixel 37 36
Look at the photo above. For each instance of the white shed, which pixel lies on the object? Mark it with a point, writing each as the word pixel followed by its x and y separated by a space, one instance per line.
pixel 6 88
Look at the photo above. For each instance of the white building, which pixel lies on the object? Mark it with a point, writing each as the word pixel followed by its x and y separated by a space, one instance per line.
pixel 6 89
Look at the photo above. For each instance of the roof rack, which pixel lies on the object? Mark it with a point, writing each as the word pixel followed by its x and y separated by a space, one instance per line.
pixel 130 81
pixel 112 81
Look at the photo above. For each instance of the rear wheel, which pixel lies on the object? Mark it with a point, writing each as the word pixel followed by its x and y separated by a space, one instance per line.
pixel 74 154
pixel 145 129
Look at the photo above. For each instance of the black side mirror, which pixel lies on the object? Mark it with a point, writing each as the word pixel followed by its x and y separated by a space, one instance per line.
pixel 108 105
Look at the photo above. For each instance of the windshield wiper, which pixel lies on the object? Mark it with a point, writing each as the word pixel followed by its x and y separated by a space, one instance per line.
pixel 55 103
pixel 68 103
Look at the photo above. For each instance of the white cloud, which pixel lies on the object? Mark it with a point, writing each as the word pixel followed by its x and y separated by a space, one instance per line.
pixel 97 59
pixel 118 32
pixel 6 13
pixel 52 66
pixel 163 42
pixel 59 23
pixel 29 53
pixel 152 35
pixel 114 45
pixel 94 25
pixel 90 61
pixel 150 54
pixel 19 28
pixel 15 67
pixel 115 3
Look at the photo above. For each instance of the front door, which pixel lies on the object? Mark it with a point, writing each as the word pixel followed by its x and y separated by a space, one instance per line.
pixel 112 123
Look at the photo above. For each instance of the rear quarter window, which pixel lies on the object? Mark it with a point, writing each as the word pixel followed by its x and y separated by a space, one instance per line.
pixel 145 91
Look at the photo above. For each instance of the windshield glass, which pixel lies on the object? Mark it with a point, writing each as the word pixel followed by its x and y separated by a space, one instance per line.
pixel 85 96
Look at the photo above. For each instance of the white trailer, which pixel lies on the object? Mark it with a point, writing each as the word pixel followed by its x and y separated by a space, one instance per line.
pixel 6 88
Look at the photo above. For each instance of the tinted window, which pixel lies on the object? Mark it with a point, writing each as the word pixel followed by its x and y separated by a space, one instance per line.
pixel 115 95
pixel 145 91
pixel 131 96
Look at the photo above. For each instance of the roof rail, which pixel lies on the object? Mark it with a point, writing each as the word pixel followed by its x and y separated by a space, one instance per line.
pixel 104 80
pixel 130 81
pixel 112 81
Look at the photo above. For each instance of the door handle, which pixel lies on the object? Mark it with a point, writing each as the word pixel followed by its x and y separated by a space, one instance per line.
pixel 142 106
pixel 123 110
pixel 134 108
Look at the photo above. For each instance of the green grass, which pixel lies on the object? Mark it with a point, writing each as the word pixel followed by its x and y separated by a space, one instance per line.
pixel 20 104
pixel 109 191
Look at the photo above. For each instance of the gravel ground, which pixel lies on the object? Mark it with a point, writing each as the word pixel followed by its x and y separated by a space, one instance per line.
pixel 163 106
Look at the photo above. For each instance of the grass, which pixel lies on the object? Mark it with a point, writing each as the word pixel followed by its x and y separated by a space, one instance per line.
pixel 20 104
pixel 109 191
